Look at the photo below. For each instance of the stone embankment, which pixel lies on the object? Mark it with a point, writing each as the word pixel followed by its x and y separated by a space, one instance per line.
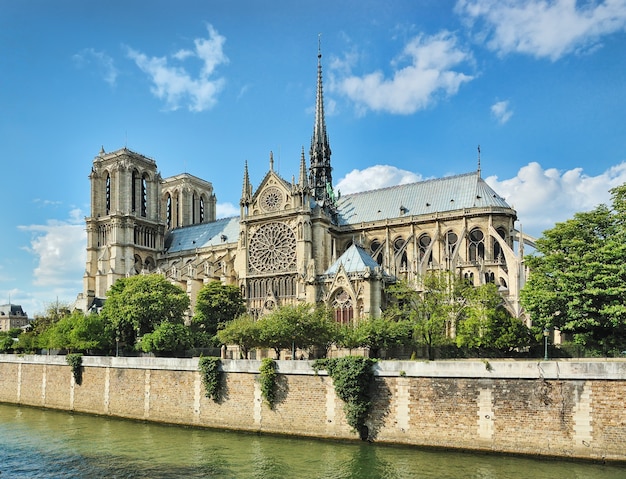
pixel 571 409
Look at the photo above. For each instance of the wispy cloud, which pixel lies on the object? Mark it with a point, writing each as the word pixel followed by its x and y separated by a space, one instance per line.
pixel 501 111
pixel 59 248
pixel 173 82
pixel 432 71
pixel 543 28
pixel 104 64
pixel 374 177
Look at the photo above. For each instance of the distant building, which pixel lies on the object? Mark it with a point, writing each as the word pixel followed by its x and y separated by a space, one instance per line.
pixel 297 240
pixel 12 316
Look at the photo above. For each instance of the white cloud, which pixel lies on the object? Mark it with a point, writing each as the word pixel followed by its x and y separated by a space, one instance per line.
pixel 430 73
pixel 374 177
pixel 175 85
pixel 103 62
pixel 501 111
pixel 543 197
pixel 59 248
pixel 544 28
pixel 226 210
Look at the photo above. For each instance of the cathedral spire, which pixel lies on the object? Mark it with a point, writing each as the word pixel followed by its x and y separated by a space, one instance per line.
pixel 320 176
pixel 302 180
pixel 247 188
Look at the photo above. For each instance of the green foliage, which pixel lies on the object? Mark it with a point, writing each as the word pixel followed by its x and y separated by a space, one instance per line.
pixel 211 376
pixel 352 378
pixel 242 331
pixel 283 328
pixel 9 339
pixel 267 380
pixel 167 338
pixel 440 306
pixel 487 326
pixel 75 361
pixel 76 332
pixel 382 333
pixel 217 304
pixel 578 278
pixel 138 304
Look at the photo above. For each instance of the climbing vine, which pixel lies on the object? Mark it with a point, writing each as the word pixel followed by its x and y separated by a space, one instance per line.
pixel 75 361
pixel 352 378
pixel 267 380
pixel 211 376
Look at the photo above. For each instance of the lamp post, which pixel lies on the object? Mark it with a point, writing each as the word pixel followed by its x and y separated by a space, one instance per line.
pixel 546 333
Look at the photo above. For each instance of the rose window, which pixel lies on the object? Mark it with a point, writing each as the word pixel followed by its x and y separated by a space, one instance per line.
pixel 271 199
pixel 273 248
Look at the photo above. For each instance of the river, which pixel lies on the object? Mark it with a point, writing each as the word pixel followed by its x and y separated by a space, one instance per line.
pixel 37 443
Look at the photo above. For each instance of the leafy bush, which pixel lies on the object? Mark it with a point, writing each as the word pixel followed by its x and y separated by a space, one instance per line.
pixel 75 361
pixel 268 380
pixel 211 376
pixel 352 378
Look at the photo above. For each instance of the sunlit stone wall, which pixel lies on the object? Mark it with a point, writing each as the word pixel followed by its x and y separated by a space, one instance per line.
pixel 551 408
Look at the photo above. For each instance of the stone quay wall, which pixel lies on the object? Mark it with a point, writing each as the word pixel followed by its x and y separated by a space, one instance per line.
pixel 573 409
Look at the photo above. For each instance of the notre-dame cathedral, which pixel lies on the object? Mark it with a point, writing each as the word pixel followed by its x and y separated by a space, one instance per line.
pixel 297 241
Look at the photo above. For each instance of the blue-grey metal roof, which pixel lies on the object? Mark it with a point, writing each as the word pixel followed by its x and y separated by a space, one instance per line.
pixel 224 230
pixel 354 260
pixel 430 196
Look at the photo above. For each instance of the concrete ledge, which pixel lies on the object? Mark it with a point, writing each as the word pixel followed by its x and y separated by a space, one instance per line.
pixel 607 369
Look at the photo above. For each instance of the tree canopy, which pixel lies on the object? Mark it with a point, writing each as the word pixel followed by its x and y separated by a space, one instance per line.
pixel 578 277
pixel 216 305
pixel 138 304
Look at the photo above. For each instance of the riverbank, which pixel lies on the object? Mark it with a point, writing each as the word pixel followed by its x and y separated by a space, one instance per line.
pixel 571 409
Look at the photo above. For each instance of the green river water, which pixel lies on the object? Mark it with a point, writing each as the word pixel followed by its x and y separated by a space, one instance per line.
pixel 36 443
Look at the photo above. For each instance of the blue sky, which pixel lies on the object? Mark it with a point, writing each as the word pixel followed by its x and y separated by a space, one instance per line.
pixel 412 87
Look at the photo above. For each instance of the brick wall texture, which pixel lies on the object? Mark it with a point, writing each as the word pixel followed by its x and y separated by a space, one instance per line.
pixel 579 414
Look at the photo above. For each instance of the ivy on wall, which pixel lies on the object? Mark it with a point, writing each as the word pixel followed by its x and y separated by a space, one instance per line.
pixel 75 361
pixel 267 379
pixel 211 375
pixel 352 378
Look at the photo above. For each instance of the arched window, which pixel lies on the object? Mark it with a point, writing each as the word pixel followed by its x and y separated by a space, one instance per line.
pixel 168 211
pixel 497 249
pixel 376 251
pixel 133 191
pixel 201 209
pixel 144 195
pixel 423 244
pixel 343 308
pixel 400 252
pixel 451 240
pixel 476 245
pixel 108 194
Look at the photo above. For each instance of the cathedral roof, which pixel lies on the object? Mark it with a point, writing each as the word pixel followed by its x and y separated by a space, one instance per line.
pixel 422 198
pixel 354 260
pixel 224 230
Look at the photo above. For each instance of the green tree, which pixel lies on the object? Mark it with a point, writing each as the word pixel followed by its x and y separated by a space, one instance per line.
pixel 283 328
pixel 138 304
pixel 167 338
pixel 383 333
pixel 578 278
pixel 216 305
pixel 440 306
pixel 76 332
pixel 242 331
pixel 486 325
pixel 319 330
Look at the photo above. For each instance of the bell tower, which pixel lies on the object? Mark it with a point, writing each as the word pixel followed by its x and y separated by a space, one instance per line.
pixel 124 229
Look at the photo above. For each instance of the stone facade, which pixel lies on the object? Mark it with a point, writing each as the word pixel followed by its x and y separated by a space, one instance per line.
pixel 299 240
pixel 568 409
pixel 12 316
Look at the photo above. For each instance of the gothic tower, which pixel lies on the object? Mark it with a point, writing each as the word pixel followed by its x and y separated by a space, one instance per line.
pixel 124 231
